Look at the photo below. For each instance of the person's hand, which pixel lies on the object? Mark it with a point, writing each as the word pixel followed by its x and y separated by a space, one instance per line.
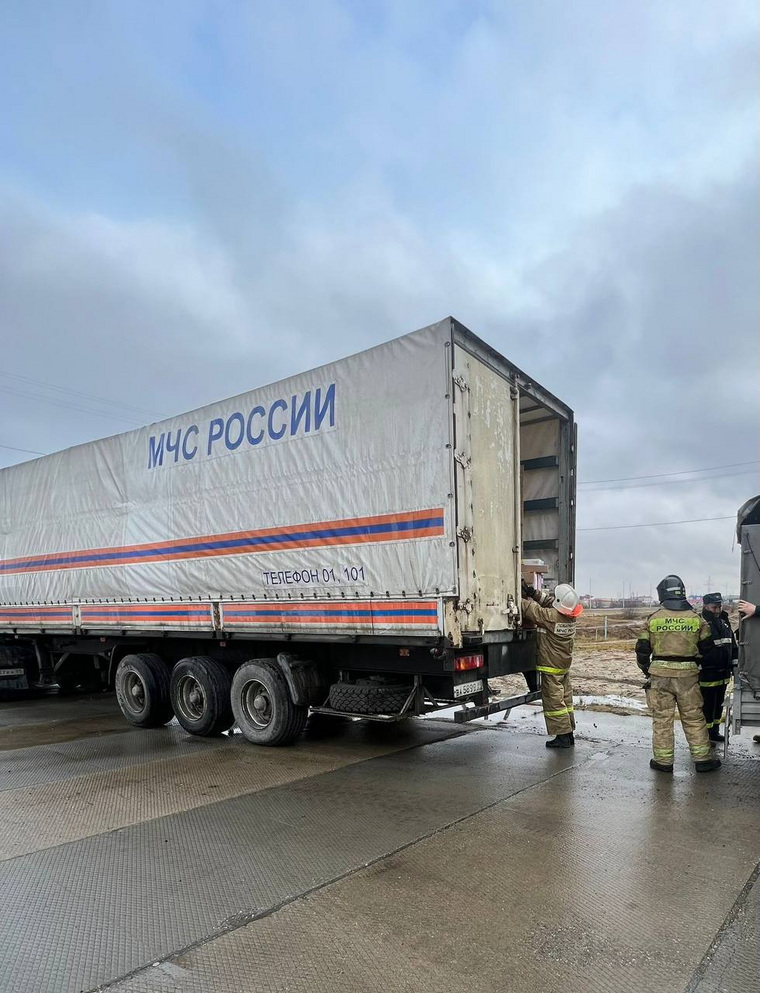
pixel 527 589
pixel 746 608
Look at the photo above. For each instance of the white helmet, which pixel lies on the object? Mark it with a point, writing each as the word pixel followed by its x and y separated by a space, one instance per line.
pixel 566 600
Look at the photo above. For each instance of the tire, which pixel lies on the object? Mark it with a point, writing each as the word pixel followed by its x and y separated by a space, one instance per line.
pixel 200 696
pixel 262 706
pixel 142 690
pixel 364 698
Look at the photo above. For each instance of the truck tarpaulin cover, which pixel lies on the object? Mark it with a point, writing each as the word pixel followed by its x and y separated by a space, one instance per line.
pixel 331 482
pixel 748 530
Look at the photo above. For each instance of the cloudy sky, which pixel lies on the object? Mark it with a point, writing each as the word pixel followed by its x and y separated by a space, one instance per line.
pixel 198 197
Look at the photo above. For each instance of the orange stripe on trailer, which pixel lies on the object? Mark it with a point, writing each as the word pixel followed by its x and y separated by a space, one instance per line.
pixel 353 530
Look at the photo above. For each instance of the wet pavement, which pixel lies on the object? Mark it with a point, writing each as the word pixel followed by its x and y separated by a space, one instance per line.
pixel 421 857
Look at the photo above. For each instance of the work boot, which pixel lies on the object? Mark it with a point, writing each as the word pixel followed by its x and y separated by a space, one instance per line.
pixel 715 735
pixel 660 766
pixel 561 741
pixel 708 765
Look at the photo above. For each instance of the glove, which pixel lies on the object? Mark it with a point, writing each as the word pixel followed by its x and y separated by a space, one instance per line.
pixel 527 590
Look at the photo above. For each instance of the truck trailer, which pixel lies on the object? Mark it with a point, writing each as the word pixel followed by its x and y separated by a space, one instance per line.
pixel 348 541
pixel 743 706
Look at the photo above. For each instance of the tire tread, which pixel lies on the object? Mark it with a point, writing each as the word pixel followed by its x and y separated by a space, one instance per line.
pixel 356 698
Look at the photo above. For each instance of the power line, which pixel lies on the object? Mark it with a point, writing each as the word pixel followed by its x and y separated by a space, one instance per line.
pixel 671 482
pixel 657 524
pixel 71 406
pixel 29 451
pixel 657 475
pixel 78 393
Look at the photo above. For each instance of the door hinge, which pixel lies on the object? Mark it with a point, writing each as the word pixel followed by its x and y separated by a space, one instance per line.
pixel 464 533
pixel 464 460
pixel 461 383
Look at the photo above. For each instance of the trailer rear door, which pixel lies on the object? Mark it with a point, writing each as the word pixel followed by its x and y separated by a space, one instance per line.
pixel 487 466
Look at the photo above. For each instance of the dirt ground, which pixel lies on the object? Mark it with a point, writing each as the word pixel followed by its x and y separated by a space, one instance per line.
pixel 604 673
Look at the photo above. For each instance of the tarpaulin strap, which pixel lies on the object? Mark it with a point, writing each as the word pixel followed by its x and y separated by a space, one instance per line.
pixel 558 713
pixel 554 672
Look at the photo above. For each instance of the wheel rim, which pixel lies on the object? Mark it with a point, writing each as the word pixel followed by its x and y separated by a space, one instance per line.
pixel 135 693
pixel 256 702
pixel 191 699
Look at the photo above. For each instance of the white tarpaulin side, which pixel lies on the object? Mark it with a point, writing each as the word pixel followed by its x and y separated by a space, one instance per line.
pixel 333 482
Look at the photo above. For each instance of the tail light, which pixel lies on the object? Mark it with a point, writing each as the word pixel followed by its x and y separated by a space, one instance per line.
pixel 469 662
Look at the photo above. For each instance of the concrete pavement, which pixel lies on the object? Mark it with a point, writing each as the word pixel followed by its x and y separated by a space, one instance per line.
pixel 422 857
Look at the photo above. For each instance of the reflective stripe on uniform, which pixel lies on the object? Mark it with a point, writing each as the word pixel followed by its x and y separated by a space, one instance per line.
pixel 674 665
pixel 553 672
pixel 698 752
pixel 714 682
pixel 663 753
pixel 558 713
pixel 722 641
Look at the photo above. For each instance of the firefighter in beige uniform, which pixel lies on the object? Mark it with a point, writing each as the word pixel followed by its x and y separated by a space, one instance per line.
pixel 669 651
pixel 554 616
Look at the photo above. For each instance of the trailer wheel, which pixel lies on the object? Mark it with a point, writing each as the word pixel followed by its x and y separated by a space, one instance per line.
pixel 200 696
pixel 263 708
pixel 142 690
pixel 368 698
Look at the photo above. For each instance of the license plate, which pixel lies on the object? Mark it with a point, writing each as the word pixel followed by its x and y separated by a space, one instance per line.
pixel 7 673
pixel 468 689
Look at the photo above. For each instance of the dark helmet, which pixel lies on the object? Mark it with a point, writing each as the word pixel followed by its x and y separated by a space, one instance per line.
pixel 671 588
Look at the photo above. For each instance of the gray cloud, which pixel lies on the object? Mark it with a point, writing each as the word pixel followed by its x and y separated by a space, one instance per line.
pixel 589 207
